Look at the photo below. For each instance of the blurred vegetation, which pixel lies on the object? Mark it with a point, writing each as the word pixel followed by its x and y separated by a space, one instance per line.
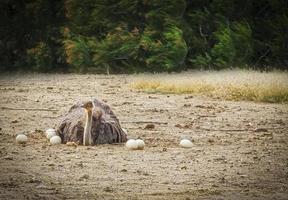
pixel 233 84
pixel 132 36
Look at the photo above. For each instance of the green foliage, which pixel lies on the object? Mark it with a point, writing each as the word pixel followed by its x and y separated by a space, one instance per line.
pixel 162 45
pixel 118 52
pixel 243 42
pixel 223 52
pixel 39 57
pixel 167 54
pixel 141 35
pixel 203 61
pixel 233 47
pixel 78 52
pixel 279 43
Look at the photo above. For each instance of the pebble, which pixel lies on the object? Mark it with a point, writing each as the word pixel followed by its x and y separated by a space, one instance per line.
pixel 8 158
pixel 149 126
pixel 72 144
pixel 84 176
pixel 14 121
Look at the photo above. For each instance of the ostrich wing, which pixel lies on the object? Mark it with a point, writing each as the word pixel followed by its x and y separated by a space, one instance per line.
pixel 107 129
pixel 107 111
pixel 71 126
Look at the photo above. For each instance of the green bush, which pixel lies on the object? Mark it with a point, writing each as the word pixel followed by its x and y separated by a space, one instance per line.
pixel 233 47
pixel 223 52
pixel 118 52
pixel 172 35
pixel 79 54
pixel 167 54
pixel 39 58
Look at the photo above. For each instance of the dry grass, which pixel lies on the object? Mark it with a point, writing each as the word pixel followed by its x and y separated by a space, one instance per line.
pixel 231 85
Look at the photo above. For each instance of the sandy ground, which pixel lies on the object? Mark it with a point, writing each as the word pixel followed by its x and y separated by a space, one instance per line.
pixel 240 148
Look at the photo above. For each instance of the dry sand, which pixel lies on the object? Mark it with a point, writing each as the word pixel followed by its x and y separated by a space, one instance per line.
pixel 240 148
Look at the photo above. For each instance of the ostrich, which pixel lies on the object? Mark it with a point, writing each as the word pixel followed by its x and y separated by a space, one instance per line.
pixel 89 123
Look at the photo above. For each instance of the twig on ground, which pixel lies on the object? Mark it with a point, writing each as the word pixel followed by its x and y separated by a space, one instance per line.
pixel 144 122
pixel 239 130
pixel 228 130
pixel 29 109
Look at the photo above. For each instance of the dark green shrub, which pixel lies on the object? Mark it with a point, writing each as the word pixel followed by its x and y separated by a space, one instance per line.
pixel 39 58
pixel 78 52
pixel 167 54
pixel 233 47
pixel 118 52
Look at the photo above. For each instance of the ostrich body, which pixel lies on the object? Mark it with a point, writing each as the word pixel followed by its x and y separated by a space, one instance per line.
pixel 89 123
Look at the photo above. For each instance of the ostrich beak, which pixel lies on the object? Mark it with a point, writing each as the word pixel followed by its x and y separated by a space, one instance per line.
pixel 82 105
pixel 86 105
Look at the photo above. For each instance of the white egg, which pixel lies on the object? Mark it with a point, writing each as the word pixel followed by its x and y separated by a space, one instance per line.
pixel 186 143
pixel 50 130
pixel 21 139
pixel 50 135
pixel 132 144
pixel 55 140
pixel 140 144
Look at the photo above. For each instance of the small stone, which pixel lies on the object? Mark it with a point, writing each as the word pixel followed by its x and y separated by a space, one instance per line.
pixel 188 97
pixel 149 126
pixel 14 121
pixel 152 97
pixel 260 130
pixel 33 180
pixel 8 158
pixel 80 164
pixel 210 140
pixel 84 176
pixel 108 189
pixel 145 174
pixel 72 144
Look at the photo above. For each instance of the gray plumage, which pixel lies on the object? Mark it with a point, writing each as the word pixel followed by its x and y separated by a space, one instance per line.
pixel 105 129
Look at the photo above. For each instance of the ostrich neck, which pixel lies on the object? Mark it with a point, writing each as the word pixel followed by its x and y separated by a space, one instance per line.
pixel 87 138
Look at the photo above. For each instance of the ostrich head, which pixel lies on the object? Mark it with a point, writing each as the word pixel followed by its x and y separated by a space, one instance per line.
pixel 87 105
